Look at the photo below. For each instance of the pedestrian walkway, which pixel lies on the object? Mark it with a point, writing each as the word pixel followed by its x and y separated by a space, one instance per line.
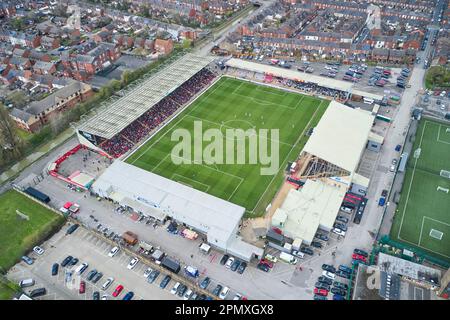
pixel 40 152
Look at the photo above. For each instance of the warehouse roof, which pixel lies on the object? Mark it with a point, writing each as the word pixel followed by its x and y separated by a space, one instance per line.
pixel 315 204
pixel 122 112
pixel 341 135
pixel 214 216
pixel 300 76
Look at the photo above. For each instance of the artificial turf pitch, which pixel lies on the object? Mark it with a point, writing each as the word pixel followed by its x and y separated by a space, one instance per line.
pixel 421 206
pixel 232 103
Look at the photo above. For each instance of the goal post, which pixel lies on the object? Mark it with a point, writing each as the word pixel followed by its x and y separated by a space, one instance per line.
pixel 439 188
pixel 445 174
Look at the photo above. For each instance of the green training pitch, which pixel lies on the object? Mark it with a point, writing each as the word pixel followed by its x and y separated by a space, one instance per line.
pixel 228 104
pixel 422 207
pixel 17 235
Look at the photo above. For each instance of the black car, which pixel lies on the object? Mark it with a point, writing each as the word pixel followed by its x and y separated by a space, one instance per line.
pixel 38 292
pixel 322 237
pixel 342 219
pixel 224 259
pixel 341 226
pixel 72 228
pixel 205 282
pixel 201 297
pixel 325 280
pixel 242 267
pixel 328 268
pixel 321 285
pixel 66 261
pixel 343 274
pixel 55 267
pixel 96 295
pixel 340 285
pixel 165 281
pixel 91 274
pixel 235 265
pixel 152 276
pixel 181 290
pixel 73 262
pixel 361 252
pixel 264 267
pixel 307 250
pixel 97 277
pixel 338 291
pixel 217 290
pixel 316 244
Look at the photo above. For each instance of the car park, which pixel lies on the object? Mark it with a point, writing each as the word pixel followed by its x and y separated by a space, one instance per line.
pixel 55 267
pixel 329 275
pixel 38 250
pixel 175 288
pixel 107 283
pixel 224 293
pixel 224 259
pixel 217 290
pixel 229 262
pixel 113 252
pixel 96 295
pixel 82 287
pixel 66 261
pixel 117 291
pixel 165 281
pixel 27 260
pixel 132 263
pixel 242 267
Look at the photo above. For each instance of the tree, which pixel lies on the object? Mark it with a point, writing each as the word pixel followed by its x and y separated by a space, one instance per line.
pixel 10 143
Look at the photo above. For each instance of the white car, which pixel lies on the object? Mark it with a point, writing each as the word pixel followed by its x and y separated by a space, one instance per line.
pixel 229 262
pixel 237 296
pixel 107 283
pixel 329 275
pixel 38 250
pixel 338 231
pixel 392 168
pixel 147 272
pixel 223 294
pixel 105 297
pixel 188 294
pixel 175 288
pixel 113 252
pixel 133 263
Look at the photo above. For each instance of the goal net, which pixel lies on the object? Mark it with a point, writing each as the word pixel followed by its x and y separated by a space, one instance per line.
pixel 445 174
pixel 417 153
pixel 439 188
pixel 436 234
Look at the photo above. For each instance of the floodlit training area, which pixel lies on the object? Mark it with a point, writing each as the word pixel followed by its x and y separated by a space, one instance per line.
pixel 423 218
pixel 234 104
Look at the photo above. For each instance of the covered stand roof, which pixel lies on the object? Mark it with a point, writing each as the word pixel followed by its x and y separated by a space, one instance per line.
pixel 122 112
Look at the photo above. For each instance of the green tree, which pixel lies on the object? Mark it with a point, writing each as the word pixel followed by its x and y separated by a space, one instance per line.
pixel 11 144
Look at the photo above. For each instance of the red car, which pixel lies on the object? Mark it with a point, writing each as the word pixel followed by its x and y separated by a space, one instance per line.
pixel 321 292
pixel 82 287
pixel 359 257
pixel 118 290
pixel 267 263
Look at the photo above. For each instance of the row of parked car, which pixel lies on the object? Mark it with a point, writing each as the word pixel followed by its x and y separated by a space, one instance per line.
pixel 355 72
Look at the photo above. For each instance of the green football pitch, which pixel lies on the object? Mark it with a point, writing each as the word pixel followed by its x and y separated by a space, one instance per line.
pixel 235 104
pixel 423 216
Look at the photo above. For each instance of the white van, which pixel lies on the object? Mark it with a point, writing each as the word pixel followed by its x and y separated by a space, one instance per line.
pixel 26 283
pixel 286 257
pixel 346 209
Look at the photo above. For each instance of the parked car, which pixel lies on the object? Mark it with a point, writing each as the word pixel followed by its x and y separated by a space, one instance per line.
pixel 96 295
pixel 73 262
pixel 338 291
pixel 82 287
pixel 38 250
pixel 55 267
pixel 235 265
pixel 345 269
pixel 27 260
pixel 329 275
pixel 113 252
pixel 133 263
pixel 224 259
pixel 117 291
pixel 188 294
pixel 328 268
pixel 321 285
pixel 325 280
pixel 341 226
pixel 217 290
pixel 316 244
pixel 320 292
pixel 147 272
pixel 267 263
pixel 319 297
pixel 152 276
pixel 361 252
pixel 205 282
pixel 37 292
pixel 263 267
pixel 66 261
pixel 343 274
pixel 338 297
pixel 338 231
pixel 107 283
pixel 342 219
pixel 271 258
pixel 307 250
pixel 128 296
pixel 359 257
pixel 165 281
pixel 322 237
pixel 81 268
pixel 242 267
pixel 97 277
pixel 175 288
pixel 223 294
pixel 229 262
pixel 341 285
pixel 91 274
pixel 181 290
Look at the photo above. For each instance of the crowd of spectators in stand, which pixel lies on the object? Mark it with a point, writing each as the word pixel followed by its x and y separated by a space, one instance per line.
pixel 141 127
